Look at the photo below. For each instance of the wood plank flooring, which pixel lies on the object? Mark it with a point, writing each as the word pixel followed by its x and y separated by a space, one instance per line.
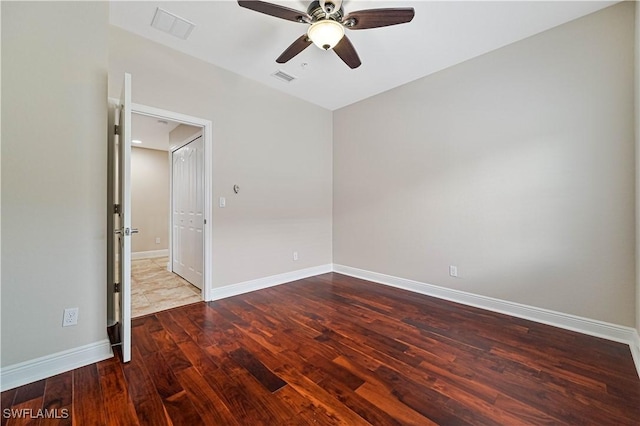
pixel 335 350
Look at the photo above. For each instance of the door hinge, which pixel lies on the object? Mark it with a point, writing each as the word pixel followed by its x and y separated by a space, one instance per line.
pixel 116 129
pixel 116 208
pixel 116 287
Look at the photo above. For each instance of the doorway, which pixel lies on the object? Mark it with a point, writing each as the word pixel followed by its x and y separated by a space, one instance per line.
pixel 119 209
pixel 158 281
pixel 154 261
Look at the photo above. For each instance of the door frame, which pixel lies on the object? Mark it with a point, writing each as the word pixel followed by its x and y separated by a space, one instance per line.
pixel 207 134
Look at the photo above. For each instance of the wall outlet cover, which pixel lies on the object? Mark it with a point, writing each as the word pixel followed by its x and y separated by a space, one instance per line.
pixel 453 271
pixel 70 317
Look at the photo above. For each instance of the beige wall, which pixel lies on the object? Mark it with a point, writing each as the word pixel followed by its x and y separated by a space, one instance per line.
pixel 637 117
pixel 54 121
pixel 149 199
pixel 150 192
pixel 516 166
pixel 277 148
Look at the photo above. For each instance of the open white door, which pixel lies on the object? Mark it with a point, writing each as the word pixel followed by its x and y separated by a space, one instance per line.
pixel 124 231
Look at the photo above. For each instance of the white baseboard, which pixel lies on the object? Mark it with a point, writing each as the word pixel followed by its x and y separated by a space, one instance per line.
pixel 40 368
pixel 635 351
pixel 273 280
pixel 150 254
pixel 614 332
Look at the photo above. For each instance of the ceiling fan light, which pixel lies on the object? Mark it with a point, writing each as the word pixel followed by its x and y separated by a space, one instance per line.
pixel 326 33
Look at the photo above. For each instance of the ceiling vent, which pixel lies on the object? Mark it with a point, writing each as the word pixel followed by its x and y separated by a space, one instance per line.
pixel 172 24
pixel 283 76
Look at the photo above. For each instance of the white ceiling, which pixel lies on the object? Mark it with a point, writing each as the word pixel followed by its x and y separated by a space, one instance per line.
pixel 442 34
pixel 152 132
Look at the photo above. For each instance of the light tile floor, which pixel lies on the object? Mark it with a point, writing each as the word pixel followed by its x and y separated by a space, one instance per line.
pixel 154 289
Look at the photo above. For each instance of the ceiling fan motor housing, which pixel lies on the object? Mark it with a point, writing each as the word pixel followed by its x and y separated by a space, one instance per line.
pixel 317 14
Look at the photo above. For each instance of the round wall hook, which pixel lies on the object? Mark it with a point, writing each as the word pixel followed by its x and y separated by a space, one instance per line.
pixel 236 188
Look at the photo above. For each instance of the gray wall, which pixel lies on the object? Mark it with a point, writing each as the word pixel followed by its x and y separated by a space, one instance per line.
pixel 277 148
pixel 54 122
pixel 516 166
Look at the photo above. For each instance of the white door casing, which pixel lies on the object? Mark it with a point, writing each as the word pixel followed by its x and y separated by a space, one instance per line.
pixel 207 183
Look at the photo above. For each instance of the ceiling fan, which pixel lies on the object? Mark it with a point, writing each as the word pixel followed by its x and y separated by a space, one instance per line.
pixel 327 22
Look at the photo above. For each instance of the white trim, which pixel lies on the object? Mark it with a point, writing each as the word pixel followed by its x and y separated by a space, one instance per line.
pixel 617 333
pixel 271 281
pixel 150 254
pixel 635 351
pixel 207 130
pixel 40 368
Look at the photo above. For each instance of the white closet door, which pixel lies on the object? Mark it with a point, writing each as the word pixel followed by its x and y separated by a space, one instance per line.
pixel 188 211
pixel 178 219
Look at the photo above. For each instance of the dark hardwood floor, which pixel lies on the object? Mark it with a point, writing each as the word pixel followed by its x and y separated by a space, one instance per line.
pixel 335 350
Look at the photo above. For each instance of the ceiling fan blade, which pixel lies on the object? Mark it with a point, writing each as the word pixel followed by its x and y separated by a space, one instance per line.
pixel 347 53
pixel 375 18
pixel 276 10
pixel 296 47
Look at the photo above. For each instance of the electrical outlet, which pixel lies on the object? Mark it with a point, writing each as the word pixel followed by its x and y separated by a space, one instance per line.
pixel 70 317
pixel 295 255
pixel 157 240
pixel 453 271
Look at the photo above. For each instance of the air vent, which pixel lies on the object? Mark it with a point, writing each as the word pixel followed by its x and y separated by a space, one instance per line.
pixel 283 76
pixel 172 24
